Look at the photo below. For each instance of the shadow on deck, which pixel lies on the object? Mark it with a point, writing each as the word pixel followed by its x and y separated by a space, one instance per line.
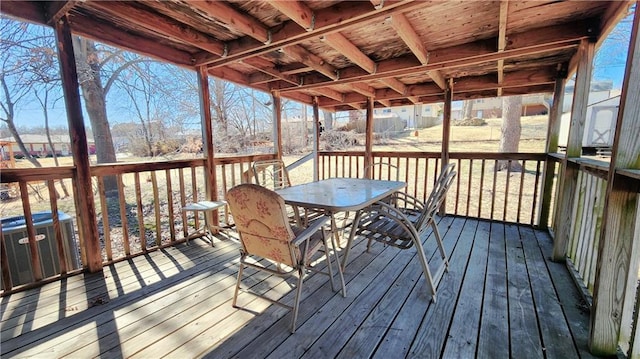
pixel 501 297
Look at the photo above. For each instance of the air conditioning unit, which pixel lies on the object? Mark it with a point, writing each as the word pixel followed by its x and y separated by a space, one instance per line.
pixel 14 230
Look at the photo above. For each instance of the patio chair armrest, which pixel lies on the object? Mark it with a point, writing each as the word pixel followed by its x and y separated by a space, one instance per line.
pixel 407 201
pixel 381 211
pixel 310 230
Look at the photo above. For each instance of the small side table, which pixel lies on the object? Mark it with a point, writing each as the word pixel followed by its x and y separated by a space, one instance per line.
pixel 204 206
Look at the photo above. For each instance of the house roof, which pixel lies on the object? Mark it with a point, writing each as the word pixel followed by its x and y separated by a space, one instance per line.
pixel 342 52
pixel 31 138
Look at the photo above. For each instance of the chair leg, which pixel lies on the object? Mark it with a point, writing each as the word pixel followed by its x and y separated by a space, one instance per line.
pixel 443 253
pixel 294 312
pixel 425 267
pixel 235 294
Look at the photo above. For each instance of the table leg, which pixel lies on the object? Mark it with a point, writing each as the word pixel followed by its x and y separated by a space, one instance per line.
pixel 352 234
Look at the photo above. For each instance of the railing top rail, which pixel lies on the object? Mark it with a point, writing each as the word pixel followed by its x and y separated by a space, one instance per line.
pixel 35 174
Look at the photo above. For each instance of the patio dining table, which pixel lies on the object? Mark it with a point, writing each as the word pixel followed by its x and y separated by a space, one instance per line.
pixel 335 195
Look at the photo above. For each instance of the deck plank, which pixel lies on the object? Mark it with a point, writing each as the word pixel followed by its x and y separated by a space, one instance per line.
pixel 523 329
pixel 556 336
pixel 463 333
pixel 494 326
pixel 431 335
pixel 373 329
pixel 177 303
pixel 574 307
pixel 402 331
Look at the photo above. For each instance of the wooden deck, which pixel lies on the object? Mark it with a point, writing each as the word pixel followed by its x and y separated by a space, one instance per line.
pixel 501 297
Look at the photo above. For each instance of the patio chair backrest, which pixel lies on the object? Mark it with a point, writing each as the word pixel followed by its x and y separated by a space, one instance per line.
pixel 383 171
pixel 262 223
pixel 437 196
pixel 271 174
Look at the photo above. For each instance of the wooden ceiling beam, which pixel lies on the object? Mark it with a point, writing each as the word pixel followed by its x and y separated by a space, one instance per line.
pixel 28 10
pixel 385 103
pixel 408 34
pixel 395 84
pixel 352 14
pixel 502 40
pixel 267 67
pixel 294 69
pixel 438 78
pixel 109 34
pixel 235 19
pixel 350 51
pixel 297 11
pixel 330 93
pixel 477 52
pixel 174 30
pixel 410 37
pixel 363 89
pixel 55 10
pixel 304 56
pixel 414 99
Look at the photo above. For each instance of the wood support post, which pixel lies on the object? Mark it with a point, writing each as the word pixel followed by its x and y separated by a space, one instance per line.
pixel 617 266
pixel 86 210
pixel 446 133
pixel 368 142
pixel 553 132
pixel 316 137
pixel 207 140
pixel 569 174
pixel 277 123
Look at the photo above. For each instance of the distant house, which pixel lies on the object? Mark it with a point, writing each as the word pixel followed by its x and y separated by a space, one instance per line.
pixel 38 145
pixel 412 116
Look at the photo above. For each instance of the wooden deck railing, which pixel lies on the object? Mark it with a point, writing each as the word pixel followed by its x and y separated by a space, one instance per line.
pixel 584 239
pixel 138 205
pixel 479 190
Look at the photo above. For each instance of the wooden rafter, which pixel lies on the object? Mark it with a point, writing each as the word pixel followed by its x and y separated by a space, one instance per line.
pixel 363 89
pixel 385 103
pixel 408 34
pixel 481 51
pixel 502 40
pixel 170 28
pixel 110 34
pixel 352 14
pixel 235 19
pixel 350 51
pixel 55 10
pixel 414 99
pixel 296 11
pixel 395 84
pixel 269 68
pixel 304 56
pixel 330 93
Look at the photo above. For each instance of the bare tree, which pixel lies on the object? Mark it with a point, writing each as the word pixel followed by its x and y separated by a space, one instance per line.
pixel 510 131
pixel 467 109
pixel 43 99
pixel 17 45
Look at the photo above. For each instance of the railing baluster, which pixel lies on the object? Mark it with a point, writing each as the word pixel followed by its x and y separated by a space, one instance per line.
pixel 106 228
pixel 62 257
pixel 194 193
pixel 183 202
pixel 535 194
pixel 170 206
pixel 156 206
pixel 470 180
pixel 141 229
pixel 506 191
pixel 123 216
pixel 481 188
pixel 493 189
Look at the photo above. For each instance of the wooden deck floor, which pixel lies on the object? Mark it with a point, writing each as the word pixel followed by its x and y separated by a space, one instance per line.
pixel 500 298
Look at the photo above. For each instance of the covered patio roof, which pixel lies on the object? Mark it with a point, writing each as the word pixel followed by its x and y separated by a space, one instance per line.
pixel 344 52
